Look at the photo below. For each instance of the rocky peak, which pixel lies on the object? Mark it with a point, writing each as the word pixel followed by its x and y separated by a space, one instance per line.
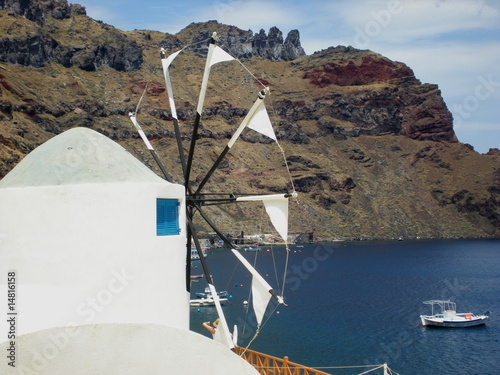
pixel 32 34
pixel 37 11
pixel 246 44
pixel 493 152
pixel 273 48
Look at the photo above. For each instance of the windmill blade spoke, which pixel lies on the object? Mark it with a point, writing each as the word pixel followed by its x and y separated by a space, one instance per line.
pixel 212 170
pixel 188 258
pixel 204 265
pixel 133 118
pixel 246 121
pixel 191 150
pixel 213 226
pixel 166 61
pixel 199 108
pixel 179 145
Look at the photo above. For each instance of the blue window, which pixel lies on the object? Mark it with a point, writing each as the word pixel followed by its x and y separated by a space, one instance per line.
pixel 167 217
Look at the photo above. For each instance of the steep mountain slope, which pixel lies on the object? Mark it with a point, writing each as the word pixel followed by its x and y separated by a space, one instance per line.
pixel 371 149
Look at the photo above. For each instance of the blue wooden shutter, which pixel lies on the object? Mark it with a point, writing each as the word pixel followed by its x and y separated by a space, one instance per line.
pixel 167 217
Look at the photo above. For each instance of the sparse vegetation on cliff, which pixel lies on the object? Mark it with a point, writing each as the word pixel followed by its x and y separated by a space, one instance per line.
pixel 371 149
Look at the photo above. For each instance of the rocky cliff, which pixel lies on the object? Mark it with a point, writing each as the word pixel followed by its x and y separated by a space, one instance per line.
pixel 370 149
pixel 40 32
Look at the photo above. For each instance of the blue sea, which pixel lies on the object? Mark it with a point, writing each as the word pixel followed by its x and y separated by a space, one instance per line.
pixel 358 303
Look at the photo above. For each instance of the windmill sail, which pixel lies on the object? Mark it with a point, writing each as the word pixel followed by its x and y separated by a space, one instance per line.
pixel 219 55
pixel 215 55
pixel 149 146
pixel 260 299
pixel 140 131
pixel 261 123
pixel 277 208
pixel 249 118
pixel 222 333
pixel 166 61
pixel 261 290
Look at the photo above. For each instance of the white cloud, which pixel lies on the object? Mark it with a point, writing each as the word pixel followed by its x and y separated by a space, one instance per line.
pixel 404 21
pixel 493 126
pixel 246 15
pixel 452 61
pixel 252 15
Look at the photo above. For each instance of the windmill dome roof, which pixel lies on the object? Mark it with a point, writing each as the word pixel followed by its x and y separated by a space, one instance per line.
pixel 78 156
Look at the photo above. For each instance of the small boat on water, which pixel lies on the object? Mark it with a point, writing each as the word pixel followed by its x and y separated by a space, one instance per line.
pixel 447 316
pixel 196 256
pixel 208 294
pixel 252 248
pixel 206 298
pixel 207 301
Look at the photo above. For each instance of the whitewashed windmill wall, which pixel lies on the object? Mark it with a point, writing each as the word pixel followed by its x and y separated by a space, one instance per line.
pixel 78 224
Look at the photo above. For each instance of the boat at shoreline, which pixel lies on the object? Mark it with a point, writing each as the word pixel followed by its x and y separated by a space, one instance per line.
pixel 447 316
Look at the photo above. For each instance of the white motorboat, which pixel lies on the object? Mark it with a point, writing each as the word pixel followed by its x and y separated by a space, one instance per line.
pixel 195 255
pixel 208 294
pixel 252 248
pixel 206 298
pixel 206 301
pixel 447 316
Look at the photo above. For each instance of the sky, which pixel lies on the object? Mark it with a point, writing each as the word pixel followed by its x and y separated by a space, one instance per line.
pixel 452 43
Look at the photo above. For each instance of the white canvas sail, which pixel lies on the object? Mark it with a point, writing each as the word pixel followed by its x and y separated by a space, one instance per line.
pixel 170 59
pixel 222 333
pixel 260 299
pixel 261 290
pixel 277 208
pixel 249 116
pixel 219 55
pixel 166 64
pixel 215 55
pixel 140 131
pixel 261 123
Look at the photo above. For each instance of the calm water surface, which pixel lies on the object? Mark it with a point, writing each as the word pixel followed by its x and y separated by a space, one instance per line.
pixel 359 304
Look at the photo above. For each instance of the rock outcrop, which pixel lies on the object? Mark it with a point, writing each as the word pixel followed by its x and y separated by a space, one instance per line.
pixel 38 11
pixel 41 41
pixel 31 35
pixel 245 44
